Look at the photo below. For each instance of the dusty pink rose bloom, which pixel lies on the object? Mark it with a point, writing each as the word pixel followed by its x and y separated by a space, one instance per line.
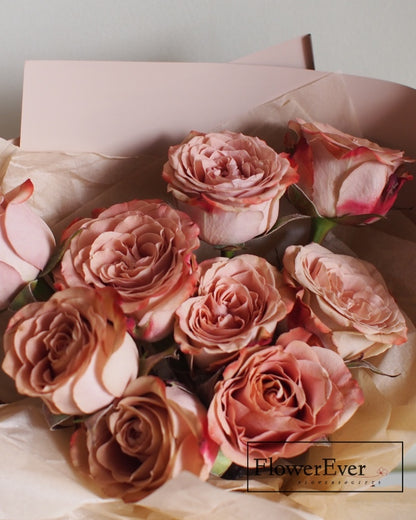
pixel 26 242
pixel 145 438
pixel 238 304
pixel 144 250
pixel 291 391
pixel 229 183
pixel 342 174
pixel 72 351
pixel 344 301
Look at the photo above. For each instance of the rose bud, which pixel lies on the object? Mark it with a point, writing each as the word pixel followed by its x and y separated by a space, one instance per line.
pixel 72 351
pixel 144 250
pixel 345 176
pixel 280 395
pixel 239 303
pixel 146 437
pixel 229 183
pixel 344 301
pixel 26 242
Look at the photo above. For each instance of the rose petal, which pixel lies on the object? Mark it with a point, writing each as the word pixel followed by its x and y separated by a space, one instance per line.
pixel 29 236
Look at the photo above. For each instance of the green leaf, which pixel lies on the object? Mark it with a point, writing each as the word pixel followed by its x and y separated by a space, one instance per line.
pixel 34 291
pixel 56 257
pixel 357 220
pixel 57 421
pixel 284 221
pixel 361 363
pixel 24 296
pixel 148 362
pixel 221 464
pixel 301 201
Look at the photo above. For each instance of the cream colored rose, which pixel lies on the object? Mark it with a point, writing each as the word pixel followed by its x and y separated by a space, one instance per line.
pixel 144 250
pixel 229 183
pixel 271 397
pixel 72 351
pixel 239 303
pixel 26 242
pixel 146 437
pixel 345 175
pixel 344 301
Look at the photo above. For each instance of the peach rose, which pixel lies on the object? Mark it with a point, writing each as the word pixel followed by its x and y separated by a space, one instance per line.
pixel 72 351
pixel 344 301
pixel 239 303
pixel 144 250
pixel 277 395
pixel 145 438
pixel 230 184
pixel 345 175
pixel 26 242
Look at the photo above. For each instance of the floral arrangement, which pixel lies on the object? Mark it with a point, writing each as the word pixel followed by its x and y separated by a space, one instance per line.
pixel 163 357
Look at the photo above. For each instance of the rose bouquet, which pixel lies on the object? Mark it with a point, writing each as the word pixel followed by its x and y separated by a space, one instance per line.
pixel 163 339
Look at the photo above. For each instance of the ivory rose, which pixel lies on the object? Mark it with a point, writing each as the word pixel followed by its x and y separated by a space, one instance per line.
pixel 229 183
pixel 291 391
pixel 146 437
pixel 344 301
pixel 72 351
pixel 26 242
pixel 239 303
pixel 345 175
pixel 144 250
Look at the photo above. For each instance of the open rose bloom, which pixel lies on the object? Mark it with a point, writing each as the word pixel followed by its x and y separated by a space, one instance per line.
pixel 144 250
pixel 344 301
pixel 145 438
pixel 229 183
pixel 239 303
pixel 26 242
pixel 72 351
pixel 345 175
pixel 291 391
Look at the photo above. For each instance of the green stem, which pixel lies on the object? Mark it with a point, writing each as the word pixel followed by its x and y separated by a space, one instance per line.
pixel 320 228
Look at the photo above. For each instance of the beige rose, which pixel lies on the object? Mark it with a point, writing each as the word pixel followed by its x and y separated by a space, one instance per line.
pixel 229 183
pixel 26 242
pixel 344 301
pixel 144 250
pixel 239 303
pixel 145 438
pixel 72 351
pixel 345 175
pixel 272 397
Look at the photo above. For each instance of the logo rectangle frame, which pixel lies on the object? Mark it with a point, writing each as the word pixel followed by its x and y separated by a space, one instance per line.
pixel 327 443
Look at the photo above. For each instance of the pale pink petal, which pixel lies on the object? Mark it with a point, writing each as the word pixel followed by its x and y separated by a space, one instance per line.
pixel 28 234
pixel 361 190
pixel 10 282
pixel 27 271
pixel 115 377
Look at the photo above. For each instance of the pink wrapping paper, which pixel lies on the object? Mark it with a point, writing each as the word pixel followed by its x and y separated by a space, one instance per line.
pixel 97 169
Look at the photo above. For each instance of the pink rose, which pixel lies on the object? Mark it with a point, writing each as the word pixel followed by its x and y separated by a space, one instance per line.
pixel 26 242
pixel 344 301
pixel 239 303
pixel 144 250
pixel 345 175
pixel 72 351
pixel 145 438
pixel 230 184
pixel 277 395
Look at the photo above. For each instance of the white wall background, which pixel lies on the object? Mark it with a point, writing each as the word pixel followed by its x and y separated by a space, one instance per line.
pixel 375 38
